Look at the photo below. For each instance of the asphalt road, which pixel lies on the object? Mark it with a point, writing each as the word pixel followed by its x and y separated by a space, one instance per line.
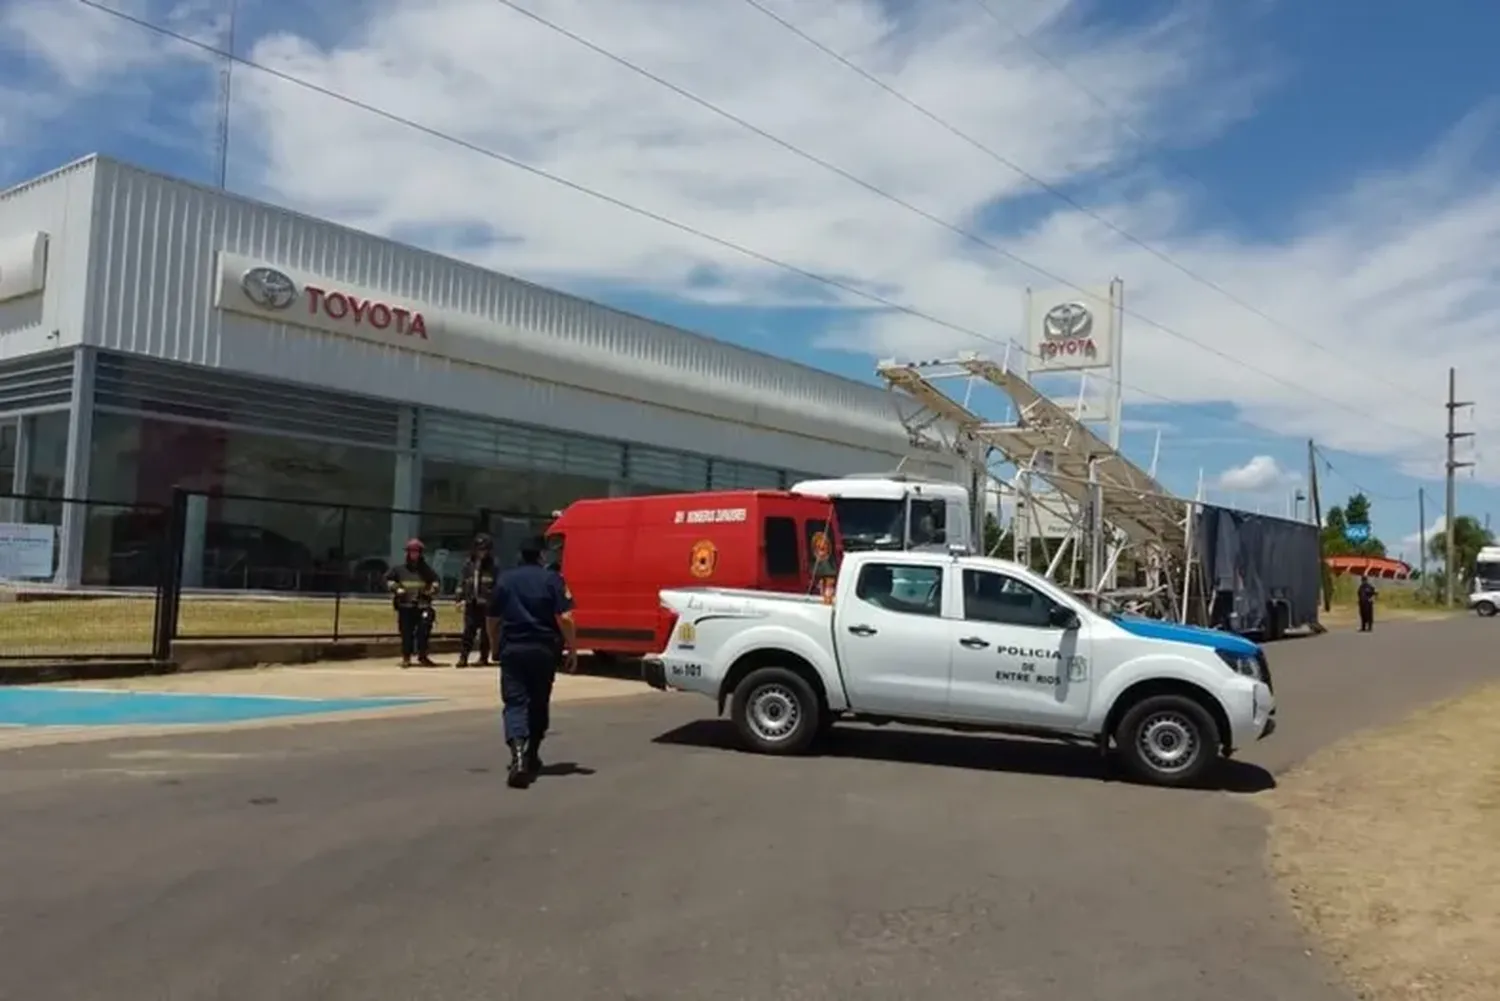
pixel 386 859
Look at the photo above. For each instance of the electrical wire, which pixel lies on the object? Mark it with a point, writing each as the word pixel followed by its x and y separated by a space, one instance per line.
pixel 1062 195
pixel 835 283
pixel 1361 488
pixel 427 130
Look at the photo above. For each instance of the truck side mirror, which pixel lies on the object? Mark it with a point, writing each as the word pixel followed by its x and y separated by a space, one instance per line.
pixel 1063 618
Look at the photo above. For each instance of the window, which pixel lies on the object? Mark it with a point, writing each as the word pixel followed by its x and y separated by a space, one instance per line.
pixel 324 515
pixel 929 522
pixel 783 558
pixel 911 590
pixel 993 597
pixel 870 524
pixel 458 486
pixel 8 434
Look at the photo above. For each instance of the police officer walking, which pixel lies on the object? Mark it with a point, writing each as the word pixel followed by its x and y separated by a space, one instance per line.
pixel 531 631
pixel 474 596
pixel 412 585
pixel 1366 597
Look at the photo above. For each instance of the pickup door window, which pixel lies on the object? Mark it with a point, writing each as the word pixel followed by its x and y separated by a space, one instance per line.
pixel 889 632
pixel 1012 660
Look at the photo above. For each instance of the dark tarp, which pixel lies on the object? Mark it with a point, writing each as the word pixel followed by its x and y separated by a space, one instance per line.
pixel 1251 560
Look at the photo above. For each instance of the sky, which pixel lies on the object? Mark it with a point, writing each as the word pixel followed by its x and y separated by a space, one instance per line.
pixel 1301 198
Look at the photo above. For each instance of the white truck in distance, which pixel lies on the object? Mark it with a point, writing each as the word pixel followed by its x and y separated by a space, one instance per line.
pixel 1484 596
pixel 966 643
pixel 896 511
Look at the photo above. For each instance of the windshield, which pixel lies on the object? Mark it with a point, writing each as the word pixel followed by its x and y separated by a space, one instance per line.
pixel 1487 573
pixel 870 524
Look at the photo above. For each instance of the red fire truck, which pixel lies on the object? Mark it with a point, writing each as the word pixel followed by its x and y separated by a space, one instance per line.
pixel 618 554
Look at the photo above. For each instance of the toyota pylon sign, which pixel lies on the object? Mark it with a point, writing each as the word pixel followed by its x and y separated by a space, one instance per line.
pixel 1068 330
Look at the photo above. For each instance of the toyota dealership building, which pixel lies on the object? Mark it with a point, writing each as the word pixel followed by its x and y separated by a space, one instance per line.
pixel 155 333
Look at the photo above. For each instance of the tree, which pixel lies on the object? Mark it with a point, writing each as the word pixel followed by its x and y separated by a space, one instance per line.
pixel 1337 521
pixel 1357 511
pixel 1469 536
pixel 993 536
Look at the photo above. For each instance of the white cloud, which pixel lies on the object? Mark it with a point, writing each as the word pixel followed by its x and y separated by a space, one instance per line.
pixel 1395 271
pixel 1260 475
pixel 1415 540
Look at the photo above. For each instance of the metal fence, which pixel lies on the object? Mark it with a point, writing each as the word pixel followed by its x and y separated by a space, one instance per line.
pixel 219 567
pixel 115 613
pixel 271 569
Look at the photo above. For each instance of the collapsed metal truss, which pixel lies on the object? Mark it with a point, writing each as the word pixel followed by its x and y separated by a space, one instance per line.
pixel 1111 505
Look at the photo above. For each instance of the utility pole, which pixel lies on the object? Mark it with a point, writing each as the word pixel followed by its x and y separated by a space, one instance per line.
pixel 1315 508
pixel 1450 570
pixel 1422 531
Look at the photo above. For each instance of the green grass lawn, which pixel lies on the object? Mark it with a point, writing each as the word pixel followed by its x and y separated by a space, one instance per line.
pixel 124 625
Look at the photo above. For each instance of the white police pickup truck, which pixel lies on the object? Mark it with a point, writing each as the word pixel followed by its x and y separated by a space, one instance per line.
pixel 966 643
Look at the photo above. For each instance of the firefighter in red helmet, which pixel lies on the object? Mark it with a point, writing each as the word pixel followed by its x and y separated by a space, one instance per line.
pixel 413 584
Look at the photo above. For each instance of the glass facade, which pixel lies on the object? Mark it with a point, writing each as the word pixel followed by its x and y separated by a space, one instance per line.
pixel 283 509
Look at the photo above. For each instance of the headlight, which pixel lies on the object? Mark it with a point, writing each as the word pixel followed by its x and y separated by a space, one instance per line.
pixel 1241 663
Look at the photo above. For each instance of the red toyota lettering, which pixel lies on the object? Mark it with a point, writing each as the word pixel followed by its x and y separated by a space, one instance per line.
pixel 381 316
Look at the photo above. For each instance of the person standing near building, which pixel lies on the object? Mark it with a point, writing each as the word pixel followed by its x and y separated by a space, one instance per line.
pixel 474 596
pixel 413 584
pixel 1366 597
pixel 530 623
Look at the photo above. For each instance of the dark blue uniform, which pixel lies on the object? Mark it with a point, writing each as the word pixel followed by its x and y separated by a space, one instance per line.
pixel 527 601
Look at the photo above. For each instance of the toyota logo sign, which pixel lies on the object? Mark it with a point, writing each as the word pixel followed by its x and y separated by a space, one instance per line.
pixel 268 288
pixel 1068 322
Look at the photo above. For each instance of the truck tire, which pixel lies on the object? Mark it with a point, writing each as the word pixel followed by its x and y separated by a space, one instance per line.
pixel 1167 740
pixel 776 712
pixel 1485 608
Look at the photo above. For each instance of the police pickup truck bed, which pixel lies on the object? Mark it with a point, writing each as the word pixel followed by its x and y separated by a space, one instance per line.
pixel 966 643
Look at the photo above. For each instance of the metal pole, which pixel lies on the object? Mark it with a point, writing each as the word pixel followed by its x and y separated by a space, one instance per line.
pixel 1422 533
pixel 1117 361
pixel 1187 560
pixel 338 593
pixel 1450 570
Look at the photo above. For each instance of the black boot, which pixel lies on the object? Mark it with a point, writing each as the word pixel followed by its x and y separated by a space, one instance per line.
pixel 533 758
pixel 518 776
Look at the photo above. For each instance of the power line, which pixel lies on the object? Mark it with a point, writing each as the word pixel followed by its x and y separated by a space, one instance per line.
pixel 665 220
pixel 575 186
pixel 1059 193
pixel 898 200
pixel 1103 105
pixel 1359 487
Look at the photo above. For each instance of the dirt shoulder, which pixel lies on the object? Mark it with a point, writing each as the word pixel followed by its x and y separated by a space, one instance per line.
pixel 1388 845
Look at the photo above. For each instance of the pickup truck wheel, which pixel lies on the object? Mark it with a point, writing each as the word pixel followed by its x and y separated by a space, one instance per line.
pixel 776 712
pixel 1167 740
pixel 1485 608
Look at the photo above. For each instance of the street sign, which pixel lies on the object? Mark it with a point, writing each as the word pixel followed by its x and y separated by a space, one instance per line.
pixel 1357 533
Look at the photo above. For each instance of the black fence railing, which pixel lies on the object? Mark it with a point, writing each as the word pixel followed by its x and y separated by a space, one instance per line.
pixel 219 567
pixel 101 619
pixel 273 569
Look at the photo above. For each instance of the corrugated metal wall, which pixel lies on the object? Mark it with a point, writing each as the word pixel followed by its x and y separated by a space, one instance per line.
pixel 58 204
pixel 152 292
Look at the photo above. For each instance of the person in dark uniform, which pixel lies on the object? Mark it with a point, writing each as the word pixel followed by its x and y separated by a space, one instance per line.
pixel 412 585
pixel 1366 605
pixel 531 631
pixel 474 596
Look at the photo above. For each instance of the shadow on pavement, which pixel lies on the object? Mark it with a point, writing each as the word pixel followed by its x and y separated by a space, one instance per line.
pixel 977 752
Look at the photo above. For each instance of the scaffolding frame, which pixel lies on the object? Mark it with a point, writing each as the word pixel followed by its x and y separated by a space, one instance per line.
pixel 1110 505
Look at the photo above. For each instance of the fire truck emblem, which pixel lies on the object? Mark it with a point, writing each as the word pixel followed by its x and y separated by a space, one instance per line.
pixel 703 560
